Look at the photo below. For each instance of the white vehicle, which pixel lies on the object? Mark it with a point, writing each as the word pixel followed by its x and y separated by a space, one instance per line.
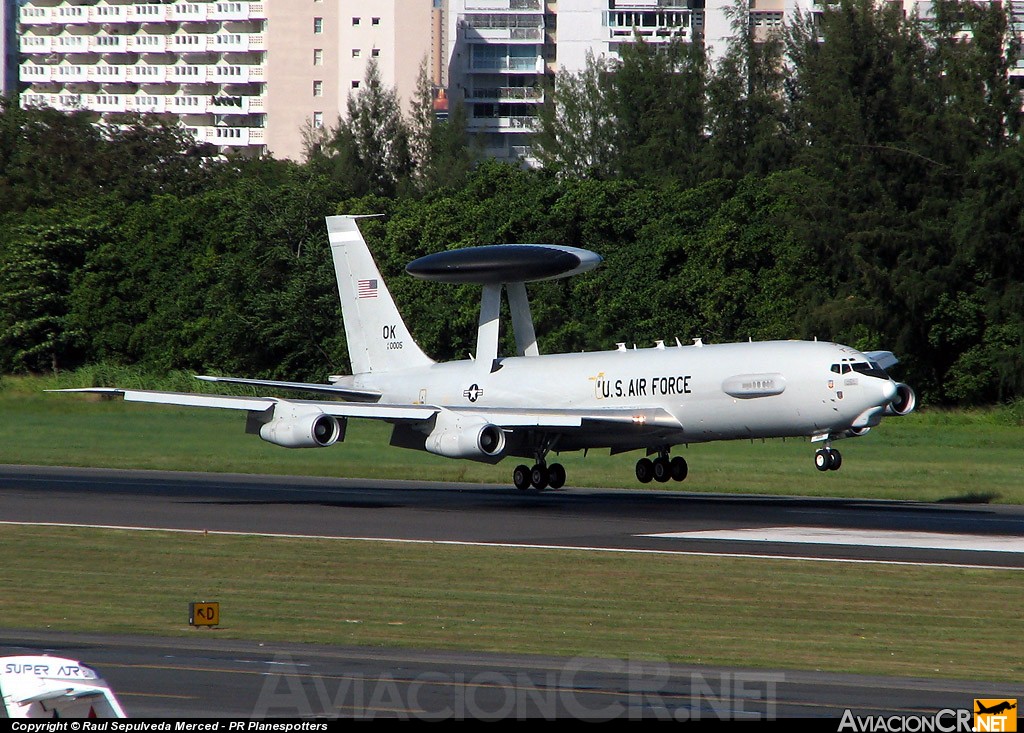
pixel 52 687
pixel 530 405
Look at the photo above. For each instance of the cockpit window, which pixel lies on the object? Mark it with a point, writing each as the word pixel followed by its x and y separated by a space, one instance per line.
pixel 870 369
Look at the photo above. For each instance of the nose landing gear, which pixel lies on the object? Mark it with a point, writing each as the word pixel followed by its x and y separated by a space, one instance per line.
pixel 828 459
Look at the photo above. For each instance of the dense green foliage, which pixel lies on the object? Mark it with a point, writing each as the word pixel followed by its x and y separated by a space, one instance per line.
pixel 867 189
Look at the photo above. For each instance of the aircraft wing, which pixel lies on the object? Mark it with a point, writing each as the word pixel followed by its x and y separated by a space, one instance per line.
pixel 504 417
pixel 259 404
pixel 345 393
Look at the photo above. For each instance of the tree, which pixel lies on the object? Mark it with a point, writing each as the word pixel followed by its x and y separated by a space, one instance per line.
pixel 576 126
pixel 370 147
pixel 658 104
pixel 440 151
pixel 37 269
pixel 746 109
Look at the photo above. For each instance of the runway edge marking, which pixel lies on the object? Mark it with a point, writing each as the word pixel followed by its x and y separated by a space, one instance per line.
pixel 519 546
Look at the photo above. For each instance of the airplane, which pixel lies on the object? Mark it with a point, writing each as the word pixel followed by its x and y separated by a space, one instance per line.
pixel 530 405
pixel 997 709
pixel 41 686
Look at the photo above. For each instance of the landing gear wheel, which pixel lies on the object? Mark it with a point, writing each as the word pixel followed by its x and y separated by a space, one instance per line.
pixel 679 468
pixel 644 470
pixel 662 469
pixel 556 475
pixel 521 477
pixel 539 477
pixel 835 460
pixel 822 461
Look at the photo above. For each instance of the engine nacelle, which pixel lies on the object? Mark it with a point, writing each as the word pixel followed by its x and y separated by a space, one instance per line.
pixel 856 432
pixel 300 427
pixel 904 402
pixel 464 436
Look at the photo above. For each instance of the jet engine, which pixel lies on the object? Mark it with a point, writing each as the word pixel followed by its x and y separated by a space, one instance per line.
pixel 300 427
pixel 904 402
pixel 856 432
pixel 464 436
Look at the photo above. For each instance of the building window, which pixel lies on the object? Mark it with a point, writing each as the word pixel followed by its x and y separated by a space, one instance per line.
pixel 355 21
pixel 318 88
pixel 375 21
pixel 318 57
pixel 355 83
pixel 375 52
pixel 318 25
pixel 318 120
pixel 355 53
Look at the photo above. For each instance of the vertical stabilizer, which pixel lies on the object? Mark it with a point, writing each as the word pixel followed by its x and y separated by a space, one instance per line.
pixel 378 339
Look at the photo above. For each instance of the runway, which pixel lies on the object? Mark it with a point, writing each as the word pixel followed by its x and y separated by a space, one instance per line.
pixel 593 519
pixel 204 676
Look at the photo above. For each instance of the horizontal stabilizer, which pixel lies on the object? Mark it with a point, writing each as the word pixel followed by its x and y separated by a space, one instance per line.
pixel 884 359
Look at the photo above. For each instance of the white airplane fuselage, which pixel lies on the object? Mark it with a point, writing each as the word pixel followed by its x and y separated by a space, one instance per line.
pixel 716 392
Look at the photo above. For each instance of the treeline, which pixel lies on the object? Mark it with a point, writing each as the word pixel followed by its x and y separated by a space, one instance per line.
pixel 867 189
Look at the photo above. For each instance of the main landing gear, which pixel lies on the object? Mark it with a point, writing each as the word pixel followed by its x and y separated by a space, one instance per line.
pixel 828 459
pixel 541 476
pixel 661 469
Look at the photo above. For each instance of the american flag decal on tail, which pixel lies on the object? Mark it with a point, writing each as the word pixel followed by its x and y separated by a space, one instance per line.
pixel 366 289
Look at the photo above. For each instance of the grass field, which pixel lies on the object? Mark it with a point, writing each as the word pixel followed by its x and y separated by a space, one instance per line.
pixel 930 622
pixel 933 622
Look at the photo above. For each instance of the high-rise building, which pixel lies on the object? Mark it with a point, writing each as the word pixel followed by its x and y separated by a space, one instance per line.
pixel 245 76
pixel 498 58
pixel 503 51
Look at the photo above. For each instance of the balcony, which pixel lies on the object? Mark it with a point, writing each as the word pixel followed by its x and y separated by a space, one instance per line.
pixel 503 124
pixel 109 13
pixel 508 65
pixel 504 5
pixel 71 44
pixel 35 74
pixel 106 102
pixel 29 44
pixel 186 74
pixel 109 73
pixel 236 42
pixel 71 73
pixel 506 94
pixel 236 11
pixel 152 13
pixel 108 44
pixel 148 44
pixel 491 35
pixel 235 74
pixel 230 136
pixel 186 43
pixel 184 12
pixel 70 15
pixel 34 16
pixel 36 100
pixel 146 74
pixel 146 104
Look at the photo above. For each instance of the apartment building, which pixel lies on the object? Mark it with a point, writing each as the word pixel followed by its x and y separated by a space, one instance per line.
pixel 502 50
pixel 245 76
